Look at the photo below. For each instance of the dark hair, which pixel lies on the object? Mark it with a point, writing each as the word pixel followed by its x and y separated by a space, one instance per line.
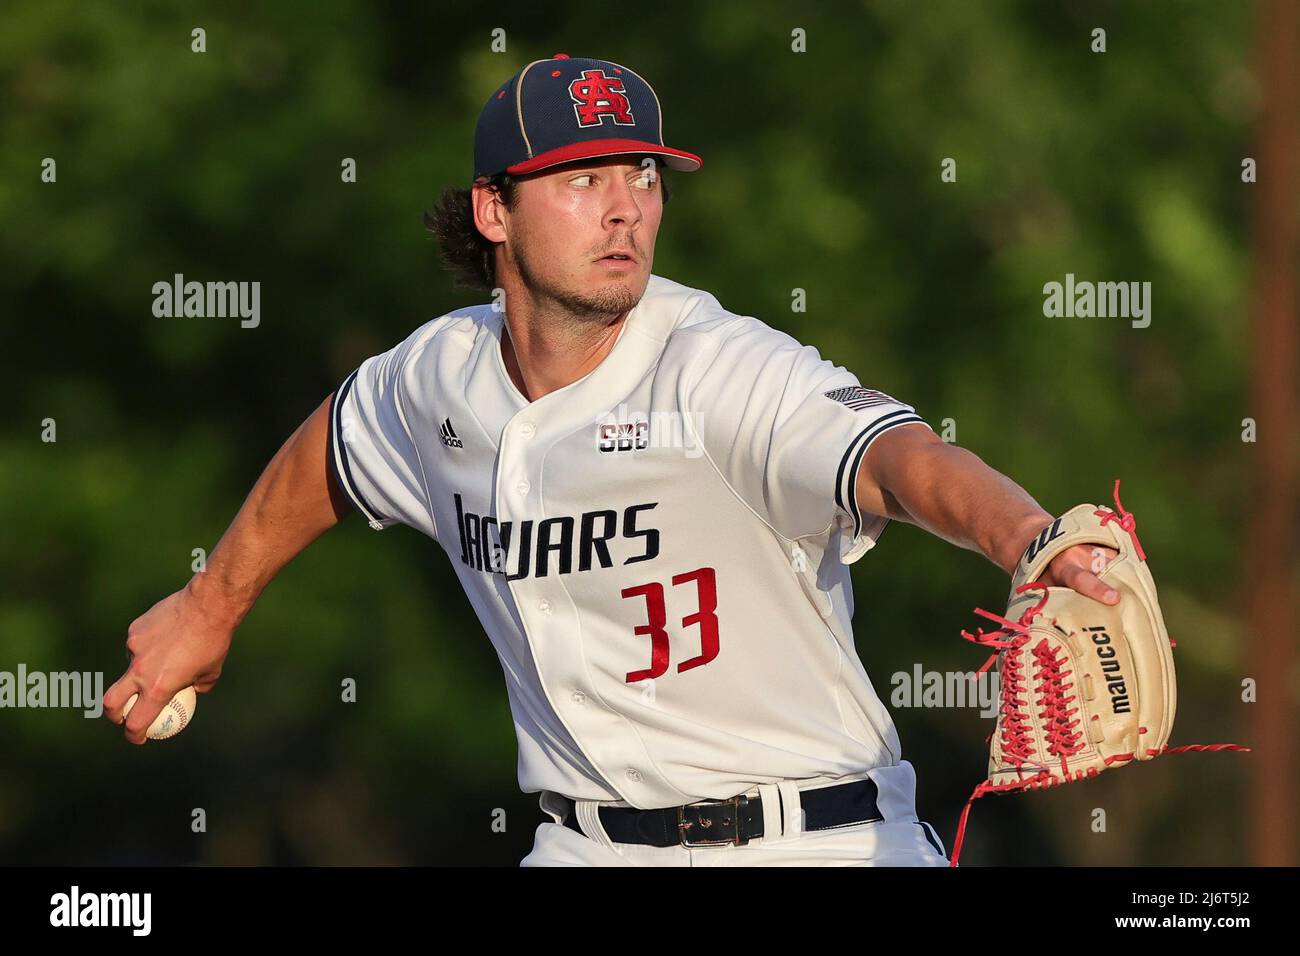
pixel 465 252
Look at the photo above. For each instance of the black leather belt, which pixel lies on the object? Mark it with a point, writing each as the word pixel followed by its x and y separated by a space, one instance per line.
pixel 735 821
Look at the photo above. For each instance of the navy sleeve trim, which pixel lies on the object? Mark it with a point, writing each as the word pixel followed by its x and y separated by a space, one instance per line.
pixel 339 463
pixel 846 493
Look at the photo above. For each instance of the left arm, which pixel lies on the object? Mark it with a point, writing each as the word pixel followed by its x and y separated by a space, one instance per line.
pixel 910 474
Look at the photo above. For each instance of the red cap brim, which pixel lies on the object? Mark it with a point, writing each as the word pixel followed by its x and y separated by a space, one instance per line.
pixel 677 159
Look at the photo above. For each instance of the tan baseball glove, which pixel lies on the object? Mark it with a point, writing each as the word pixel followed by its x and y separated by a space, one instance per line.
pixel 1084 686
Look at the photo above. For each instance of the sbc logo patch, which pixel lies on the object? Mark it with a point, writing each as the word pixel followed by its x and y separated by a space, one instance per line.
pixel 623 436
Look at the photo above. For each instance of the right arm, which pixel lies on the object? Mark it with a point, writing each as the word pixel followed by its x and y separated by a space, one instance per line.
pixel 184 638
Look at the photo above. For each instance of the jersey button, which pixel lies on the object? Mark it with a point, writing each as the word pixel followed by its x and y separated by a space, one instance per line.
pixel 634 775
pixel 579 697
pixel 544 606
pixel 527 429
pixel 522 487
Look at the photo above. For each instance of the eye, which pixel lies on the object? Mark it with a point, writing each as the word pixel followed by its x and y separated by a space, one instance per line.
pixel 575 179
pixel 647 180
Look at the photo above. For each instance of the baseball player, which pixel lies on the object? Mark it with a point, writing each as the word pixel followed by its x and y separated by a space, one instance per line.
pixel 651 502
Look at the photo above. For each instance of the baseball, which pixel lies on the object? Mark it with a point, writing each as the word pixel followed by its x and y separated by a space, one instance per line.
pixel 173 718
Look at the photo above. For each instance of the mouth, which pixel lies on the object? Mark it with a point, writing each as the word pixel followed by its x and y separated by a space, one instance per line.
pixel 617 262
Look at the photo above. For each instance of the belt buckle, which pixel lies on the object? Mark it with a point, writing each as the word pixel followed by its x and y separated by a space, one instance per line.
pixel 684 825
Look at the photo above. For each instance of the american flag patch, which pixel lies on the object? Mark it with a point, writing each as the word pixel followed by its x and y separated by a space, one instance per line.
pixel 857 398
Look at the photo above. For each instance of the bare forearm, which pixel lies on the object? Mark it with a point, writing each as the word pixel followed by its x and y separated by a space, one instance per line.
pixel 953 494
pixel 292 504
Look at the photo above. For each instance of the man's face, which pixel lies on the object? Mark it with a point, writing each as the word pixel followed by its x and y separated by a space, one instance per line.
pixel 568 225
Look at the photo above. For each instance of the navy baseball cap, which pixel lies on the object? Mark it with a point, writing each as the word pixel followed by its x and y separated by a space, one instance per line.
pixel 566 108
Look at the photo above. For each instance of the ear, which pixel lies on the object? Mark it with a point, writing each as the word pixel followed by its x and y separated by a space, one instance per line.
pixel 489 212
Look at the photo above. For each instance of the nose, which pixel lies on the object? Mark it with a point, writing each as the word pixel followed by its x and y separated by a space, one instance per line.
pixel 623 208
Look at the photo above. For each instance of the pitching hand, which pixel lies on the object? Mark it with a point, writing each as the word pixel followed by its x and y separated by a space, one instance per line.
pixel 176 643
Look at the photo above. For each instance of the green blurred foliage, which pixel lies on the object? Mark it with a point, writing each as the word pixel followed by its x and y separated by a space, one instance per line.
pixel 822 173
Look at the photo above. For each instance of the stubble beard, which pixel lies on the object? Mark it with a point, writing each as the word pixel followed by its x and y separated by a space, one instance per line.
pixel 597 305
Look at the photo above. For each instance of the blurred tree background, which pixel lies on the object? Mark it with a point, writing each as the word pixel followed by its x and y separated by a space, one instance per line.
pixel 822 172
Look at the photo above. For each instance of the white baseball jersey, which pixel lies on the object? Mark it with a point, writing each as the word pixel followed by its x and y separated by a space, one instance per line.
pixel 659 551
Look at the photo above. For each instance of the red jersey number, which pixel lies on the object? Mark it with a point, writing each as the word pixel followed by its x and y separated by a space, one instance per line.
pixel 657 618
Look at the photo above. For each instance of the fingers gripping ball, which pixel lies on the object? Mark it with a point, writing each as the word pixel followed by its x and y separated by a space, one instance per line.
pixel 172 719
